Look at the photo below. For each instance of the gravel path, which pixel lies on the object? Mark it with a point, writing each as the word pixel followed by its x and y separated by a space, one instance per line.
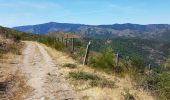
pixel 39 68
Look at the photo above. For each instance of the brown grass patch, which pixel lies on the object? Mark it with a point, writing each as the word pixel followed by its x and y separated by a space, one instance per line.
pixel 15 87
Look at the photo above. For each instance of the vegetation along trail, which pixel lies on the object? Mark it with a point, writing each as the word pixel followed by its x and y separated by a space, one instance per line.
pixel 37 66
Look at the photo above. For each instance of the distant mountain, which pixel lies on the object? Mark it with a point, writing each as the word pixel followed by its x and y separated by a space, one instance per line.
pixel 151 31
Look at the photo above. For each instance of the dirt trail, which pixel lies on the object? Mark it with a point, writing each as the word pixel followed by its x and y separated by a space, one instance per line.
pixel 39 68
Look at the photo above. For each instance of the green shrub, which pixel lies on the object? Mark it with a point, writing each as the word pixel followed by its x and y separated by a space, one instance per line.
pixel 70 65
pixel 105 61
pixel 51 42
pixel 138 64
pixel 159 83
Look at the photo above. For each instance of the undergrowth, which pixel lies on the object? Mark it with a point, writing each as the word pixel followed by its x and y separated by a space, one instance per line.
pixel 52 42
pixel 127 95
pixel 93 79
pixel 157 83
pixel 70 65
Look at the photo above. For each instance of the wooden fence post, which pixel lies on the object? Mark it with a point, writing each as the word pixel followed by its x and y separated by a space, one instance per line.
pixel 73 45
pixel 117 59
pixel 150 67
pixel 66 40
pixel 62 39
pixel 87 53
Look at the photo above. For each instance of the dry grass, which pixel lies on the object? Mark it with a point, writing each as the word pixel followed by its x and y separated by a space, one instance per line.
pixel 70 65
pixel 16 87
pixel 12 78
pixel 86 92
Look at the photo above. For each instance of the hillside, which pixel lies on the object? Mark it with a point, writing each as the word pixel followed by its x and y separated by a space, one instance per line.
pixel 151 31
pixel 44 72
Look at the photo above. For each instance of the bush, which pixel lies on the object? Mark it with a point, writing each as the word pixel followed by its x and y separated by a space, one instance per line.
pixel 138 64
pixel 52 42
pixel 105 61
pixel 159 83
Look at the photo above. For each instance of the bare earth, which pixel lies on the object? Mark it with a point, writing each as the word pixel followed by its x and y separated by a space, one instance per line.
pixel 39 68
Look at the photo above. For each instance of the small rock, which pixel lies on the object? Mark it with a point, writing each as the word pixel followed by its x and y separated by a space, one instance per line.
pixel 49 74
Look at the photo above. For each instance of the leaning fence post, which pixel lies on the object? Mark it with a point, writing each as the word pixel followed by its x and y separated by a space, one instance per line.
pixel 117 59
pixel 87 53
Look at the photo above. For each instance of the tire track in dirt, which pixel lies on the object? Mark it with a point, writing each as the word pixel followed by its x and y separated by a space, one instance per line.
pixel 37 66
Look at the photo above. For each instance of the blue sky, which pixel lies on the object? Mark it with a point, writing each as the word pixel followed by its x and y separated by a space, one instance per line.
pixel 93 12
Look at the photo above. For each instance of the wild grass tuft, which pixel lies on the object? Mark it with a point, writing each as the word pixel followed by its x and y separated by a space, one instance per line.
pixel 102 83
pixel 83 76
pixel 94 80
pixel 127 95
pixel 70 65
pixel 1 55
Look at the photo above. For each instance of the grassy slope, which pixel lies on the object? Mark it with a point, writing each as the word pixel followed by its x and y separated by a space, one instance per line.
pixel 91 83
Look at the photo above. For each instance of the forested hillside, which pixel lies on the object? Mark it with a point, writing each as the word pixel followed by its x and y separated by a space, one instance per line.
pixel 151 31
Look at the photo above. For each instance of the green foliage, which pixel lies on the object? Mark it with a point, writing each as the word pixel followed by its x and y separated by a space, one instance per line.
pixel 159 83
pixel 51 42
pixel 70 65
pixel 93 79
pixel 81 52
pixel 105 61
pixel 16 35
pixel 133 47
pixel 138 64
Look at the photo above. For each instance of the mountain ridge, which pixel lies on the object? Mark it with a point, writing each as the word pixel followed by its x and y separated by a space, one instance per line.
pixel 149 31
